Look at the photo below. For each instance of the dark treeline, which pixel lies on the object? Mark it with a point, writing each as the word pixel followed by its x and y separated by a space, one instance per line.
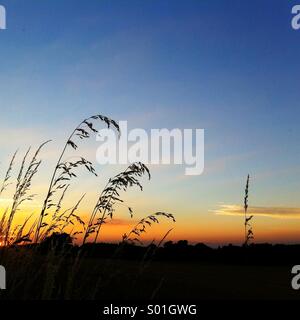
pixel 253 254
pixel 256 254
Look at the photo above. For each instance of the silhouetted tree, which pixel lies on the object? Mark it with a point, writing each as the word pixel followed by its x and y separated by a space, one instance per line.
pixel 57 241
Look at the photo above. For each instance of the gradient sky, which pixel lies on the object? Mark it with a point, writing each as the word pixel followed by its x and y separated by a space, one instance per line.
pixel 229 67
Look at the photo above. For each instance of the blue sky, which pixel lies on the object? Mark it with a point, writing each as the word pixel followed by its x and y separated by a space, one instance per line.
pixel 230 67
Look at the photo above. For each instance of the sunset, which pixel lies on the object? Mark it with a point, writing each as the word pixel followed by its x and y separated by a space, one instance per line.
pixel 149 134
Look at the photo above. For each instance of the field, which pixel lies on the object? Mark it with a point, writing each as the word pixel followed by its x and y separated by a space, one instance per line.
pixel 34 275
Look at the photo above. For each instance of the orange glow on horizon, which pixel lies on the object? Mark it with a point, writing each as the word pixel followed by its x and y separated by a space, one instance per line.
pixel 205 228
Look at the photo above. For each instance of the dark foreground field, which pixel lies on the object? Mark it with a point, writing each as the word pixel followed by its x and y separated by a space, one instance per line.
pixel 131 273
pixel 186 281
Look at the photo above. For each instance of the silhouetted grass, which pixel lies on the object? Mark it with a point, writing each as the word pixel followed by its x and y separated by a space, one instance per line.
pixel 49 267
pixel 247 222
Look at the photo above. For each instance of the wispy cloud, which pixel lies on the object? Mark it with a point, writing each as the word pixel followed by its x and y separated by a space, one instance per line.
pixel 273 212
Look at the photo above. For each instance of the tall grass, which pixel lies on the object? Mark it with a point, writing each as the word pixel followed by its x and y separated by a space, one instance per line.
pixel 134 235
pixel 247 219
pixel 22 194
pixel 53 217
pixel 63 171
pixel 110 196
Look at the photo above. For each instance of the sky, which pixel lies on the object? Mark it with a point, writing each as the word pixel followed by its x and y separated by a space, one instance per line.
pixel 228 67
